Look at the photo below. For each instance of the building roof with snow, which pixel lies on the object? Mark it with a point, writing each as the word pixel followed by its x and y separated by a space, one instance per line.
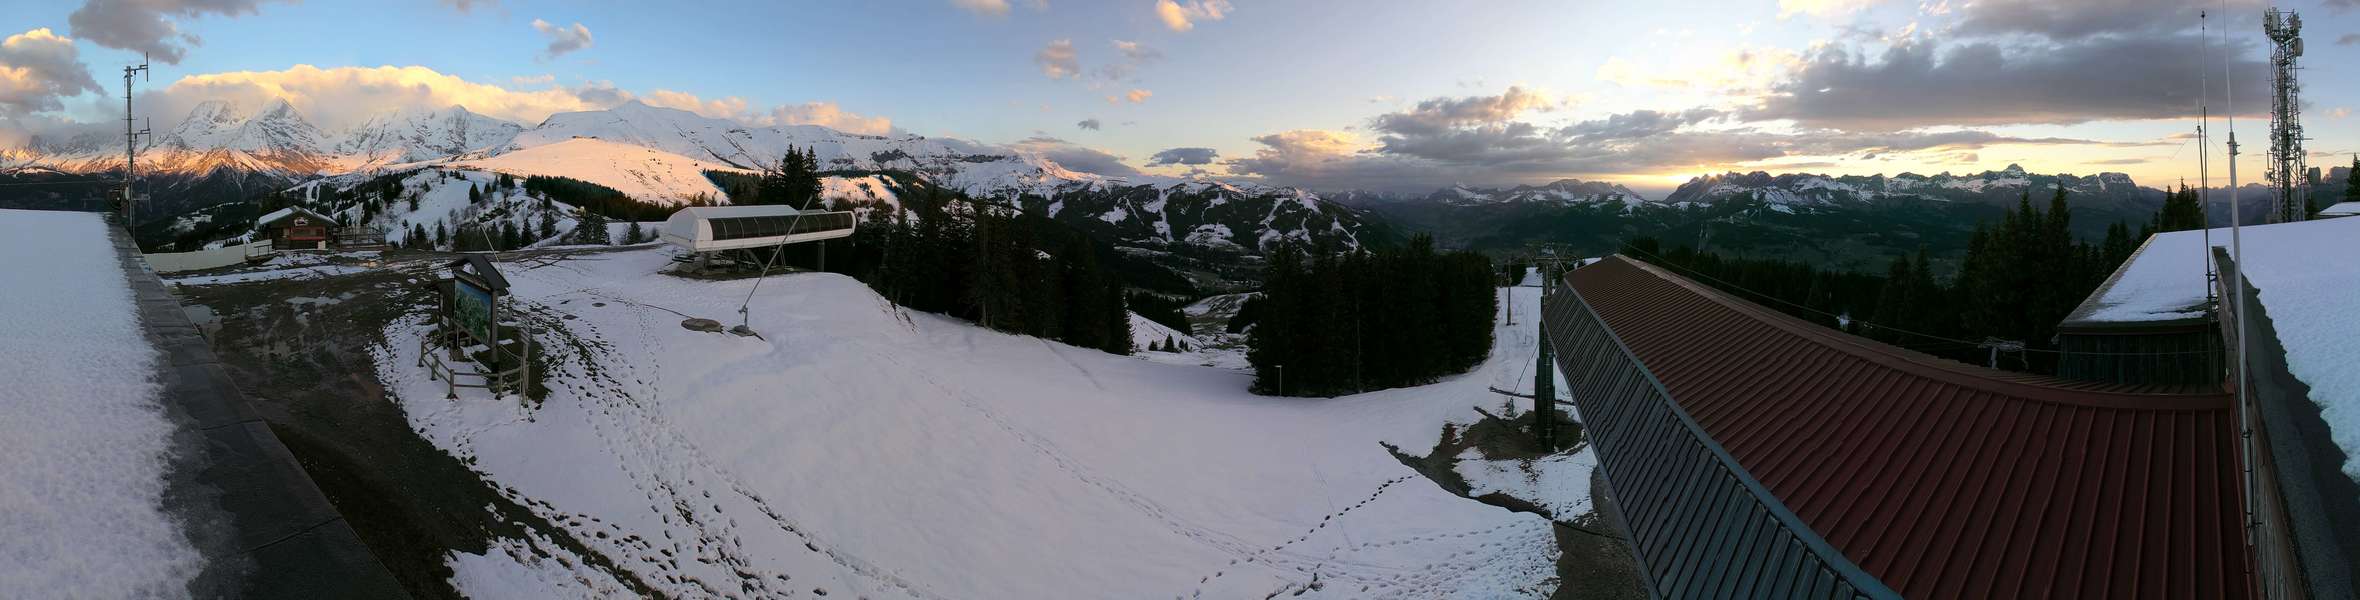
pixel 1758 455
pixel 2164 281
pixel 2340 209
pixel 282 214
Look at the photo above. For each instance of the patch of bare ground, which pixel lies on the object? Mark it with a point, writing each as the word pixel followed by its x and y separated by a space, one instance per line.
pixel 1593 562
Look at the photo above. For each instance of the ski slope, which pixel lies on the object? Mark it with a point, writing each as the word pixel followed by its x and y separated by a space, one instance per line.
pixel 643 173
pixel 868 452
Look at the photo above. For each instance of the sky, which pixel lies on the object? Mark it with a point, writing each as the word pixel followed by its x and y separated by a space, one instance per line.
pixel 1375 95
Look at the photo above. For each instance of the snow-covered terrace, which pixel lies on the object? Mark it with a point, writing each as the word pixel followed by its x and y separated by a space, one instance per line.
pixel 88 446
pixel 133 468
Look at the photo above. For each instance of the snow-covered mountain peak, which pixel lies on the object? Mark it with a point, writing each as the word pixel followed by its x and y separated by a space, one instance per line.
pixel 412 135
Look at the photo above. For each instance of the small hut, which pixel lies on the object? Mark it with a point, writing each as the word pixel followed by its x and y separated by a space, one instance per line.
pixel 298 228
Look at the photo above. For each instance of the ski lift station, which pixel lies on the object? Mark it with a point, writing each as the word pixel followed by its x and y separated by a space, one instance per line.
pixel 705 229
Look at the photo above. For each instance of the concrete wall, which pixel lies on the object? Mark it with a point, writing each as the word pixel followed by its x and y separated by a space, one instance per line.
pixel 173 262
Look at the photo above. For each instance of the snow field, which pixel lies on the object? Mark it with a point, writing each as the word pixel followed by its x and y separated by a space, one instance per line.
pixel 864 450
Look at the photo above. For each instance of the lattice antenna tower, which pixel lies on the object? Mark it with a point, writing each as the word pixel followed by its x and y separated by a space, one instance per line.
pixel 2288 184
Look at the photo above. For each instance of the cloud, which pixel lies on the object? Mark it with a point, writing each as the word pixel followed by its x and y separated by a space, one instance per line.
pixel 1090 124
pixel 1057 60
pixel 342 97
pixel 1182 16
pixel 2083 19
pixel 993 8
pixel 1134 56
pixel 469 5
pixel 146 26
pixel 1437 114
pixel 829 115
pixel 1490 139
pixel 1136 51
pixel 1823 8
pixel 562 39
pixel 1184 156
pixel 825 114
pixel 1920 84
pixel 37 68
pixel 1137 95
pixel 1335 160
pixel 339 97
pixel 1076 157
pixel 2348 39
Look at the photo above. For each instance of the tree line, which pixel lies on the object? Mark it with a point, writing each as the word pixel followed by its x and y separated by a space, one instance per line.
pixel 1330 323
pixel 1025 274
pixel 2021 276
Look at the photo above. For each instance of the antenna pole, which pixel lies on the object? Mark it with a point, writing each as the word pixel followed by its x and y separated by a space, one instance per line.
pixel 2237 255
pixel 2212 275
pixel 131 135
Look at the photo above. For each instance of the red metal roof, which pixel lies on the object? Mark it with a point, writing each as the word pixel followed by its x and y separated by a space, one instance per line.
pixel 1939 478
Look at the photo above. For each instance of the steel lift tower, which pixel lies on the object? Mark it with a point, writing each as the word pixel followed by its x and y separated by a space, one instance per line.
pixel 2287 175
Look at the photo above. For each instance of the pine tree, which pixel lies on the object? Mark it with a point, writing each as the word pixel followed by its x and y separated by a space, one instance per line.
pixel 474 194
pixel 442 236
pixel 591 229
pixel 548 225
pixel 2352 181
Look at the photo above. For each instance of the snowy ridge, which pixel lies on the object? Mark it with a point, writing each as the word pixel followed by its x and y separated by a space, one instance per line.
pixel 1563 192
pixel 1808 190
pixel 641 172
pixel 411 136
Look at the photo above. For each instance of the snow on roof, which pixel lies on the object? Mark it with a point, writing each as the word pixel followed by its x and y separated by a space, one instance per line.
pixel 290 211
pixel 88 446
pixel 2341 209
pixel 2306 287
pixel 2165 279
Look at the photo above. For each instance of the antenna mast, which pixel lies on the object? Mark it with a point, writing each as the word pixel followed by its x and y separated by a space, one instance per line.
pixel 131 144
pixel 2287 174
pixel 2212 276
pixel 2237 254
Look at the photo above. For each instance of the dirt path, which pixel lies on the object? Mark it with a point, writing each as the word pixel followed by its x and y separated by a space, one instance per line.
pixel 298 347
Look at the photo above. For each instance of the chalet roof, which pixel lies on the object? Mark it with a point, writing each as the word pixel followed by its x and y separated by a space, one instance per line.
pixel 2341 209
pixel 282 214
pixel 1938 478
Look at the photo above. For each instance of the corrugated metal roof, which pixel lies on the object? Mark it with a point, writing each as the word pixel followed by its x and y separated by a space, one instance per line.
pixel 1938 478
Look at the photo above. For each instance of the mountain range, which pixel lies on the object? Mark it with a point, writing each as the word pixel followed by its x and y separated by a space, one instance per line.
pixel 663 156
pixel 1856 222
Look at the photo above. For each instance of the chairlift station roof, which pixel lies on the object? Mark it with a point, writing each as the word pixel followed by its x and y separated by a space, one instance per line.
pixel 714 228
